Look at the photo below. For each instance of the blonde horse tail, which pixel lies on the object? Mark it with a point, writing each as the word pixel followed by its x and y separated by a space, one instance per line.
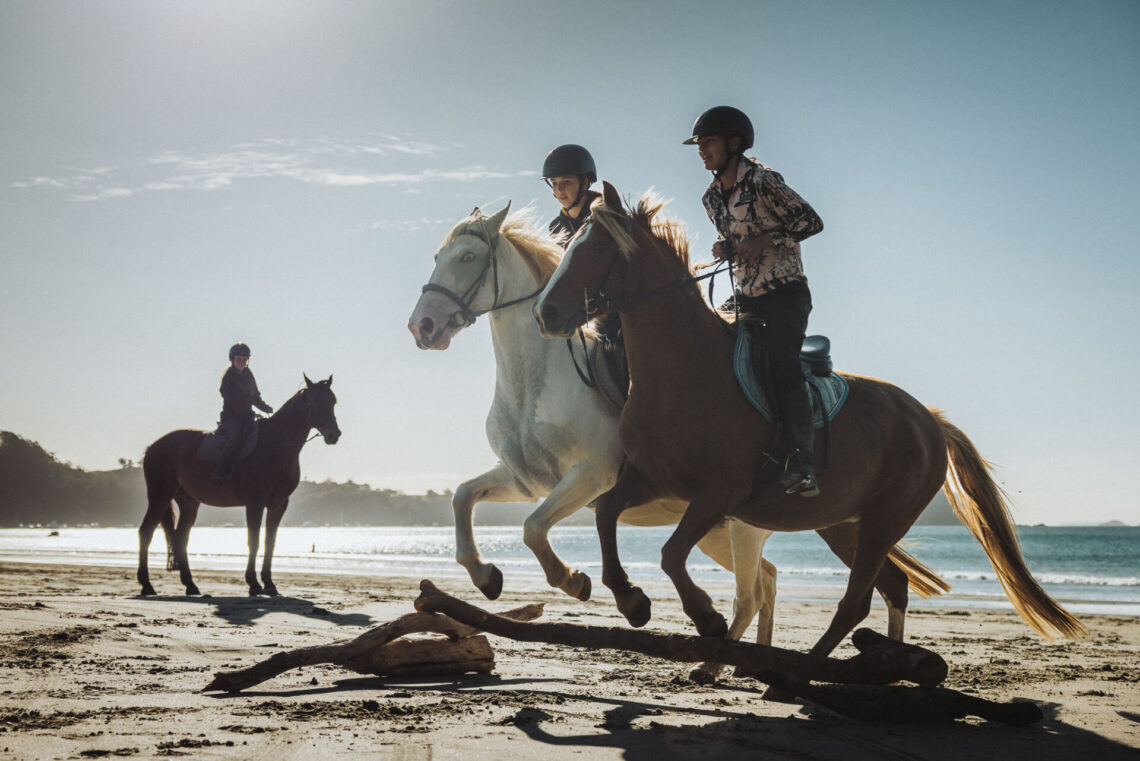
pixel 981 506
pixel 921 579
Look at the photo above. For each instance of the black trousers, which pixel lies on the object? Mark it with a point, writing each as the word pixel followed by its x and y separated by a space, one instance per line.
pixel 779 320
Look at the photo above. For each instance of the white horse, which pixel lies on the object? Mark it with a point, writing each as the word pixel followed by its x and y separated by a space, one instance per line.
pixel 554 436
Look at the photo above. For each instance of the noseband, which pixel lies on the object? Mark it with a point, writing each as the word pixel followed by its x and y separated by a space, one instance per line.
pixel 466 315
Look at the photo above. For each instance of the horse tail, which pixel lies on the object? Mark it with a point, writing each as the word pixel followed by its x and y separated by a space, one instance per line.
pixel 920 578
pixel 982 507
pixel 157 466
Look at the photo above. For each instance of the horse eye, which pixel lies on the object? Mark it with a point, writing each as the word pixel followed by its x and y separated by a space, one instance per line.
pixel 468 257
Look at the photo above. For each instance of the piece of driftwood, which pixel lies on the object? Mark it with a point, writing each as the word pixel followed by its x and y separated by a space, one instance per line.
pixel 862 692
pixel 380 651
pixel 882 661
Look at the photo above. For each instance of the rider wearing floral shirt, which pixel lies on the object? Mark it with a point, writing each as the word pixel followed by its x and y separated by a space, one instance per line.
pixel 761 221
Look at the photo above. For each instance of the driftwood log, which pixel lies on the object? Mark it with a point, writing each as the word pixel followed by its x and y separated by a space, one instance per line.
pixel 379 651
pixel 861 692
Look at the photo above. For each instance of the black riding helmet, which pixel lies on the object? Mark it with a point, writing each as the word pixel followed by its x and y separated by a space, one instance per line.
pixel 239 350
pixel 725 121
pixel 568 160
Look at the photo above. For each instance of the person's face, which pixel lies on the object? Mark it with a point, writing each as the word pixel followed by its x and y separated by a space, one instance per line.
pixel 566 189
pixel 240 362
pixel 713 151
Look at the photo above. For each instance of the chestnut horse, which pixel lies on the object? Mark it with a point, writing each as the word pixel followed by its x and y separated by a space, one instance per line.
pixel 690 434
pixel 262 481
pixel 556 438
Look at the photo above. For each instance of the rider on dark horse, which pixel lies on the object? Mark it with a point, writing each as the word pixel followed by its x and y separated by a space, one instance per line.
pixel 761 222
pixel 569 171
pixel 239 397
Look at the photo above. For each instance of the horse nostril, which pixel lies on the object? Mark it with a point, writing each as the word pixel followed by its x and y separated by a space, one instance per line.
pixel 427 326
pixel 549 313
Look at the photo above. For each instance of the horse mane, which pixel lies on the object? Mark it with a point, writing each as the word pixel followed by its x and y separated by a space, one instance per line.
pixel 648 214
pixel 541 252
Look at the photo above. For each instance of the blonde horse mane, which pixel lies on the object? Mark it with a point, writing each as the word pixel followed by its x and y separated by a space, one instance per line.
pixel 648 213
pixel 538 249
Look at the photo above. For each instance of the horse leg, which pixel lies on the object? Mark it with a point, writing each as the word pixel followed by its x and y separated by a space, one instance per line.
pixel 891 582
pixel 155 511
pixel 252 530
pixel 273 516
pixel 703 514
pixel 739 547
pixel 871 548
pixel 630 490
pixel 187 514
pixel 496 485
pixel 581 485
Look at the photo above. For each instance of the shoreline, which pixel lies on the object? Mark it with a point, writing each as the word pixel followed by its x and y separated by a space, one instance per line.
pixel 88 667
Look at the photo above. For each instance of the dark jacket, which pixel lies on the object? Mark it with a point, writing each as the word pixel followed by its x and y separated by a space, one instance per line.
pixel 564 223
pixel 240 396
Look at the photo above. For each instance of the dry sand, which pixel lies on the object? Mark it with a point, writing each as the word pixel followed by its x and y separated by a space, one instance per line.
pixel 88 670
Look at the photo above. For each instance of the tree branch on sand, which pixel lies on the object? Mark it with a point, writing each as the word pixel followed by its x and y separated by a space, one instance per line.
pixel 379 651
pixel 861 691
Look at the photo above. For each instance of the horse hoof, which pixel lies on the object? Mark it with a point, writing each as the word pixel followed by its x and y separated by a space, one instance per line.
pixel 192 591
pixel 704 675
pixel 493 587
pixel 147 591
pixel 636 608
pixel 270 591
pixel 255 590
pixel 586 588
pixel 712 625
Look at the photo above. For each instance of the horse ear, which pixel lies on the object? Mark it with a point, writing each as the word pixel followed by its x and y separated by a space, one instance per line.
pixel 610 195
pixel 329 381
pixel 496 221
pixel 308 383
pixel 476 212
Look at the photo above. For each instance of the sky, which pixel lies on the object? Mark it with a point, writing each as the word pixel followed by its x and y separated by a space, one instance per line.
pixel 178 176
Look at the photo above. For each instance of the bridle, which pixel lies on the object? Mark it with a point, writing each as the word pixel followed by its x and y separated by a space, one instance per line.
pixel 466 315
pixel 310 415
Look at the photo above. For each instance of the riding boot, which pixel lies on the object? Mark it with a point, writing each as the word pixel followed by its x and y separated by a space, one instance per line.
pixel 799 473
pixel 225 469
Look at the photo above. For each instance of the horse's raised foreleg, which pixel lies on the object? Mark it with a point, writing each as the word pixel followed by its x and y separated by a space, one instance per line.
pixel 252 530
pixel 630 490
pixel 273 516
pixel 703 514
pixel 187 514
pixel 739 547
pixel 581 485
pixel 496 485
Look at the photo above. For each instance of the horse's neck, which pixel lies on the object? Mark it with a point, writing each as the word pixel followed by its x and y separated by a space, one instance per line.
pixel 521 353
pixel 289 424
pixel 673 333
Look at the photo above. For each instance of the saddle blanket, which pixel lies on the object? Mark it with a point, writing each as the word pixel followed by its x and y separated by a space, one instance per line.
pixel 828 394
pixel 213 444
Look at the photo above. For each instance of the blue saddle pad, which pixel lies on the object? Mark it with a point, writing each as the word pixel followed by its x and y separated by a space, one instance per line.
pixel 210 450
pixel 827 394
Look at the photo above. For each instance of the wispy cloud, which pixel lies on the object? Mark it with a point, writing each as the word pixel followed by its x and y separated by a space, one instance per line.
pixel 320 161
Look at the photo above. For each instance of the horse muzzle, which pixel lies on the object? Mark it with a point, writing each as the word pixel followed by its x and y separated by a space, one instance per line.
pixel 554 321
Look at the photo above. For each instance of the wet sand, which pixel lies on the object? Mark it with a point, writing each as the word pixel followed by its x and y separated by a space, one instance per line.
pixel 88 669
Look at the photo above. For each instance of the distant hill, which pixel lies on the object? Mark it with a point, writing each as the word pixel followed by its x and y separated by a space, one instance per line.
pixel 37 489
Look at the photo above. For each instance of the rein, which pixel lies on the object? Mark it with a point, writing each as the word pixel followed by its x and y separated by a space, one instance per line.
pixel 466 315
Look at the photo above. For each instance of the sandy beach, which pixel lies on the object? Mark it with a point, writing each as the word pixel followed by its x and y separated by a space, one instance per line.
pixel 88 669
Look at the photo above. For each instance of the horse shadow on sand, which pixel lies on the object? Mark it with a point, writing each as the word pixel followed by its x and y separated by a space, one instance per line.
pixel 246 610
pixel 644 731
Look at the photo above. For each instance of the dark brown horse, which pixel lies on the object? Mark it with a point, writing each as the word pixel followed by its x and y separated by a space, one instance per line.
pixel 262 481
pixel 689 433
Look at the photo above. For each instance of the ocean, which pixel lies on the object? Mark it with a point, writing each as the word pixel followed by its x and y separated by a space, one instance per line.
pixel 1087 569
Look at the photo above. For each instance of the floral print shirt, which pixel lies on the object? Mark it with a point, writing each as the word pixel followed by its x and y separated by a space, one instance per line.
pixel 760 202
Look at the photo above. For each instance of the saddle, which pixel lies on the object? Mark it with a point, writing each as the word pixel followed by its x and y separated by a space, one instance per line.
pixel 827 390
pixel 213 444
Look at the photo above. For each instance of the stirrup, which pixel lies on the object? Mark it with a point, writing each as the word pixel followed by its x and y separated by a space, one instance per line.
pixel 799 478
